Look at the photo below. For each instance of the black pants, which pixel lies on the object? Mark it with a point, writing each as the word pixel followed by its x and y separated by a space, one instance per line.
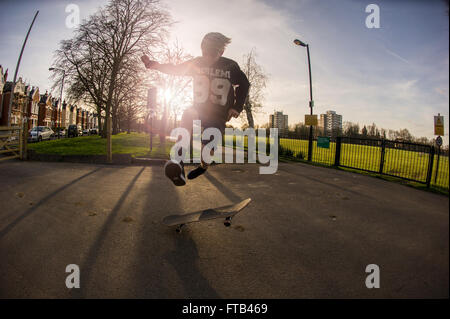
pixel 191 114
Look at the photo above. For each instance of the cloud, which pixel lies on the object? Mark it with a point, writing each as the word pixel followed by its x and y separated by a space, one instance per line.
pixel 397 56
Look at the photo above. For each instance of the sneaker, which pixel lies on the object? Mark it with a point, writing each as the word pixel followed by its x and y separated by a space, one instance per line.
pixel 175 172
pixel 196 172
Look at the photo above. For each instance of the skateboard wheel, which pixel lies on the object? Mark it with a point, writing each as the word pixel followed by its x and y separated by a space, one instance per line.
pixel 227 222
pixel 178 230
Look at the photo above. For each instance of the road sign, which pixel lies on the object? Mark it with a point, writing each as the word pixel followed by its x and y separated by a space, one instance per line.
pixel 323 142
pixel 439 141
pixel 311 119
pixel 439 125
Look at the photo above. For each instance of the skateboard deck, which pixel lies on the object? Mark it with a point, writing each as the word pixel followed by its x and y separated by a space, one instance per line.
pixel 225 212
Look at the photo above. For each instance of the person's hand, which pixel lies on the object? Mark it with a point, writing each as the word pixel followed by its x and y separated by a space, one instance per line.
pixel 232 113
pixel 148 63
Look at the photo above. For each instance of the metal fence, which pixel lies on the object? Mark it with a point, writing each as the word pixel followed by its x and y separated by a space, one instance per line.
pixel 12 142
pixel 410 161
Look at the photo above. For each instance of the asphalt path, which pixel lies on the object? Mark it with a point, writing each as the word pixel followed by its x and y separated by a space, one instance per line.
pixel 309 232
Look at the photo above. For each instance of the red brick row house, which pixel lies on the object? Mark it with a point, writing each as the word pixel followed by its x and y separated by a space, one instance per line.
pixel 45 110
pixel 19 103
pixel 39 109
pixel 3 77
pixel 33 107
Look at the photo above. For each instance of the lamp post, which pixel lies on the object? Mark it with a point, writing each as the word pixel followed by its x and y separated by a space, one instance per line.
pixel 311 101
pixel 11 97
pixel 62 86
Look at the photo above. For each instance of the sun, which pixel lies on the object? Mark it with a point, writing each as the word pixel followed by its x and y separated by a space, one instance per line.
pixel 168 95
pixel 174 102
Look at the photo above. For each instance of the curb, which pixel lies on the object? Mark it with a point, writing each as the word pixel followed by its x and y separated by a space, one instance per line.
pixel 120 159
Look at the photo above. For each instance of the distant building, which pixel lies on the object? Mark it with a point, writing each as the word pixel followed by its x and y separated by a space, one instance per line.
pixel 3 76
pixel 65 115
pixel 330 122
pixel 19 102
pixel 280 121
pixel 33 107
pixel 45 110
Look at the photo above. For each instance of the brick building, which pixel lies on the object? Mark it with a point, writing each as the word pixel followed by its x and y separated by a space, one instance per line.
pixel 45 110
pixel 33 107
pixel 72 109
pixel 78 116
pixel 19 103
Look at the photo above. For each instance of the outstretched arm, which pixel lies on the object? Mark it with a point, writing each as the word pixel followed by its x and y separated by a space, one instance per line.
pixel 241 92
pixel 185 68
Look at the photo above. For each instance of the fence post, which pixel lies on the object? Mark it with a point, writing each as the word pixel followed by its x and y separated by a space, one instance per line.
pixel 437 165
pixel 310 145
pixel 24 138
pixel 20 136
pixel 337 155
pixel 430 166
pixel 383 149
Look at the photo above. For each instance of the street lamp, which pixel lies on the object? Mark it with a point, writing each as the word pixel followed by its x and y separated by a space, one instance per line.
pixel 11 97
pixel 311 101
pixel 62 82
pixel 62 86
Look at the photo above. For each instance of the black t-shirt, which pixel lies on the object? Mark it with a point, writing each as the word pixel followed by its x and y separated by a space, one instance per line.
pixel 217 87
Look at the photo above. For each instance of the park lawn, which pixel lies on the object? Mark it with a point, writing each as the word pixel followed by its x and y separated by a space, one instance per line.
pixel 401 163
pixel 136 144
pixel 397 162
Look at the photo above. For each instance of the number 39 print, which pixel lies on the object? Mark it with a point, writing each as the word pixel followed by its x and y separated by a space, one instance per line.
pixel 216 90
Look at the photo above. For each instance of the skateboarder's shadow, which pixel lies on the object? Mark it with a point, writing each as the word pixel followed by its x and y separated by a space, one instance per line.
pixel 184 259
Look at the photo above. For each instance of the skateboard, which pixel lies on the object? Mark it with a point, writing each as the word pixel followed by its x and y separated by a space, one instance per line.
pixel 225 212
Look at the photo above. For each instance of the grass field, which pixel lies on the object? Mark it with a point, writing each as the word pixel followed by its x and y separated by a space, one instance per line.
pixel 399 163
pixel 135 144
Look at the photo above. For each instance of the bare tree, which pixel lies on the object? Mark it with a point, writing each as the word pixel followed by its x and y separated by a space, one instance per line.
pixel 129 95
pixel 86 73
pixel 351 129
pixel 257 78
pixel 104 43
pixel 175 91
pixel 125 28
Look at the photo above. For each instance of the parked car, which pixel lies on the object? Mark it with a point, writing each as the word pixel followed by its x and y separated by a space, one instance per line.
pixel 72 131
pixel 39 133
pixel 86 131
pixel 94 131
pixel 61 133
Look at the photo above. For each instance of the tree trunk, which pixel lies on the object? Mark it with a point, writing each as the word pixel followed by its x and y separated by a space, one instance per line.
pixel 109 101
pixel 115 129
pixel 163 127
pixel 99 120
pixel 104 129
pixel 248 111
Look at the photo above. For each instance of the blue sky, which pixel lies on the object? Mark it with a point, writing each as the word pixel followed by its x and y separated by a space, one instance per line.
pixel 396 76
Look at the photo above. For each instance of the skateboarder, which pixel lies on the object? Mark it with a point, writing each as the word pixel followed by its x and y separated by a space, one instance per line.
pixel 220 90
